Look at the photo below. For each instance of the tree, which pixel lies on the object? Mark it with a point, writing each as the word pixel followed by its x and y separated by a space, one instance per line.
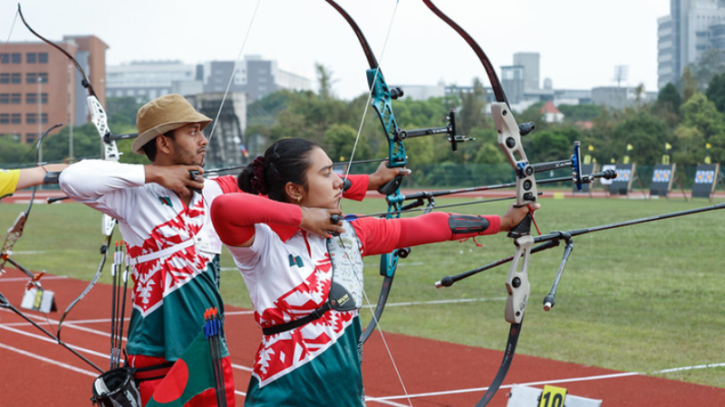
pixel 646 133
pixel 579 113
pixel 716 91
pixel 668 105
pixel 701 114
pixel 324 78
pixel 711 63
pixel 689 84
pixel 473 108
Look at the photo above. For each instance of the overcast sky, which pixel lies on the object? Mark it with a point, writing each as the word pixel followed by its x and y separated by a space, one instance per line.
pixel 580 41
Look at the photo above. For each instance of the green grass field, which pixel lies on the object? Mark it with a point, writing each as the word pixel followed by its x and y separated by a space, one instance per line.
pixel 641 298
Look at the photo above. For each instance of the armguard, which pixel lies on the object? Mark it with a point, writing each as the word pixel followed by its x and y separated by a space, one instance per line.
pixel 462 224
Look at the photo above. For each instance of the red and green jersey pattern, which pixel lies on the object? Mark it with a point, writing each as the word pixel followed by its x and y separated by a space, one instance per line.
pixel 168 330
pixel 305 387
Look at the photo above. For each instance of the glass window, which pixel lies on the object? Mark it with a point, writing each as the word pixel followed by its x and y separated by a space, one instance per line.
pixel 4 78
pixel 31 137
pixel 31 77
pixel 4 98
pixel 5 59
pixel 31 57
pixel 44 98
pixel 43 57
pixel 16 98
pixel 16 78
pixel 31 98
pixel 31 118
pixel 43 76
pixel 16 58
pixel 4 118
pixel 44 118
pixel 16 118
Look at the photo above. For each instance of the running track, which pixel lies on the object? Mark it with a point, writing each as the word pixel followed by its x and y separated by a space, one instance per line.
pixel 36 371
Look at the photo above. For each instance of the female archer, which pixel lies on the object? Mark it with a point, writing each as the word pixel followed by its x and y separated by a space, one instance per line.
pixel 305 285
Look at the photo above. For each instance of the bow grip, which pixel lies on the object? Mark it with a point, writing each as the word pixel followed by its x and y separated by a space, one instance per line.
pixel 391 186
pixel 523 228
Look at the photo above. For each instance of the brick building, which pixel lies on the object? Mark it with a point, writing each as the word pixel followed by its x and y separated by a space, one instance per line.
pixel 40 87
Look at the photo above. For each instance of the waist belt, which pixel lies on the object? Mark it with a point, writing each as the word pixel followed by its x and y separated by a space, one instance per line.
pixel 316 314
pixel 152 372
pixel 161 253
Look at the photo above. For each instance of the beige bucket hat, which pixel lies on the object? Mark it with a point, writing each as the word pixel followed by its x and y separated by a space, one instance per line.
pixel 164 114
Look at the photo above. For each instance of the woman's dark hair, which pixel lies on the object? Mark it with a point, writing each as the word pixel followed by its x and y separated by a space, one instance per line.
pixel 150 148
pixel 286 160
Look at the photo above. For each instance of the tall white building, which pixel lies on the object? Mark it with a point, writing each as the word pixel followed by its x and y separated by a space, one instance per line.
pixel 692 28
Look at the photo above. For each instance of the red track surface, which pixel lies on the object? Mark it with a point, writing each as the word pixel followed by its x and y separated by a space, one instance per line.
pixel 37 372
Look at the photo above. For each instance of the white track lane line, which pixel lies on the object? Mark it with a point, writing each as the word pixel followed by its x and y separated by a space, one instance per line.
pixel 46 360
pixel 570 380
pixel 70 324
pixel 47 339
pixel 25 279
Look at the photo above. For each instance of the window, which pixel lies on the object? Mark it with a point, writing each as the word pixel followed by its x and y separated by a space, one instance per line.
pixel 5 59
pixel 16 78
pixel 31 57
pixel 44 98
pixel 31 77
pixel 16 58
pixel 4 78
pixel 16 98
pixel 4 98
pixel 31 137
pixel 43 57
pixel 31 98
pixel 43 76
pixel 44 118
pixel 31 118
pixel 4 118
pixel 16 118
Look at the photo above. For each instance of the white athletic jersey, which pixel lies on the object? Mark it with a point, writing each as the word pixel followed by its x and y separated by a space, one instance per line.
pixel 286 281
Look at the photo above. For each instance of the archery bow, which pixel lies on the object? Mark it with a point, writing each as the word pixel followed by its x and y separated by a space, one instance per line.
pixel 111 153
pixel 381 97
pixel 509 138
pixel 16 231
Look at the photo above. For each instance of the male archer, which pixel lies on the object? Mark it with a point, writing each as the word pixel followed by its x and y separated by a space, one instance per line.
pixel 163 215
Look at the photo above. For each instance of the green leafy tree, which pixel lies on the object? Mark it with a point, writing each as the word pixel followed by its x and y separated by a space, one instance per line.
pixel 646 133
pixel 701 113
pixel 710 64
pixel 668 105
pixel 716 91
pixel 689 84
pixel 579 113
pixel 324 78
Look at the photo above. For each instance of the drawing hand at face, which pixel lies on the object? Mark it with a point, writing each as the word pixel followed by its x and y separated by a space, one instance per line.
pixel 318 221
pixel 175 178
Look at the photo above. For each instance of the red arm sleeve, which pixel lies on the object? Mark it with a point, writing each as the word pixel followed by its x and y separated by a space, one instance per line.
pixel 380 236
pixel 228 184
pixel 234 216
pixel 358 187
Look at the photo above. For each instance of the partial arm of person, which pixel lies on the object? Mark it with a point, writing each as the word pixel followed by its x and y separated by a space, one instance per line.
pixel 102 184
pixel 30 177
pixel 385 235
pixel 234 217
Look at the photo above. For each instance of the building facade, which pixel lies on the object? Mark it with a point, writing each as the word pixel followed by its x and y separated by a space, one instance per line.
pixel 254 76
pixel 147 80
pixel 692 28
pixel 530 62
pixel 39 88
